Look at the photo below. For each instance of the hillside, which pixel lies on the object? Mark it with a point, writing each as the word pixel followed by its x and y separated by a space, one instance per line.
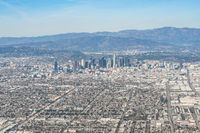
pixel 167 37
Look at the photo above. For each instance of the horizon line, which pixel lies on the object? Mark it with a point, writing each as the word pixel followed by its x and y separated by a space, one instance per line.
pixel 87 32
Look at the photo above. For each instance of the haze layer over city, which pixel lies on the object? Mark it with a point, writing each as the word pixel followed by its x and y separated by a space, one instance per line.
pixel 99 66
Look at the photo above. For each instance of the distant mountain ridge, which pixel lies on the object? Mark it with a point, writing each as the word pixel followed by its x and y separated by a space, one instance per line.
pixel 166 37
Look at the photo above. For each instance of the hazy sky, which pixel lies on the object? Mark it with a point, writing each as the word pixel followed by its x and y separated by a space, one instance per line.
pixel 41 17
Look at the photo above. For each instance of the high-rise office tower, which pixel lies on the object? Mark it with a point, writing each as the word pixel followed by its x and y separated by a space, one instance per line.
pixel 126 61
pixel 114 61
pixel 109 63
pixel 103 62
pixel 93 63
pixel 86 64
pixel 121 62
pixel 82 63
pixel 56 66
pixel 76 65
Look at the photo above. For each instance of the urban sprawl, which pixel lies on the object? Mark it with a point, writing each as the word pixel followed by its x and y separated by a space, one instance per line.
pixel 115 94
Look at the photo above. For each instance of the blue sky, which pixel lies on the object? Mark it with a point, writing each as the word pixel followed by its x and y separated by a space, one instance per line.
pixel 42 17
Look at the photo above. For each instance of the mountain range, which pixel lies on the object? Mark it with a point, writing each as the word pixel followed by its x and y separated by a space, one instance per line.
pixel 160 38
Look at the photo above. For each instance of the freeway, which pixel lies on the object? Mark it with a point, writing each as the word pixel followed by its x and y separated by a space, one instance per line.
pixel 190 84
pixel 194 115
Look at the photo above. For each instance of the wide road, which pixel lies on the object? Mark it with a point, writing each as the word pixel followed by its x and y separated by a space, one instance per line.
pixel 85 110
pixel 169 108
pixel 126 108
pixel 34 115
